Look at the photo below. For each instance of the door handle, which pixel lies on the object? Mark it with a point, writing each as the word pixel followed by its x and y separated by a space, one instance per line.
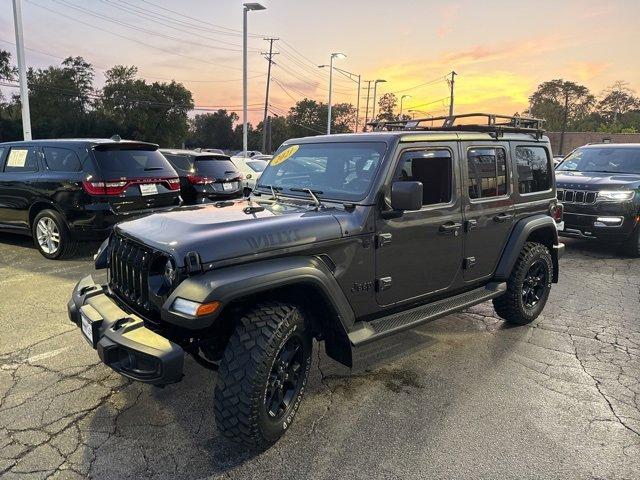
pixel 450 228
pixel 502 217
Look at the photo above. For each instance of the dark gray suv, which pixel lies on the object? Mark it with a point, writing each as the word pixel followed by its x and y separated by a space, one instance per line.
pixel 346 239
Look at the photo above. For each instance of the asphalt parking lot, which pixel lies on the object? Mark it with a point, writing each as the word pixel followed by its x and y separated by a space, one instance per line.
pixel 462 397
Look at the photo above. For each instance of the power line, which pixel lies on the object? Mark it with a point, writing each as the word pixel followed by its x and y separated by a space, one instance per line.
pixel 430 82
pixel 413 107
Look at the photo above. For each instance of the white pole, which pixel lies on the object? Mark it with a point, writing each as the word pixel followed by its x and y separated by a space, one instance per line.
pixel 245 138
pixel 330 87
pixel 373 108
pixel 22 69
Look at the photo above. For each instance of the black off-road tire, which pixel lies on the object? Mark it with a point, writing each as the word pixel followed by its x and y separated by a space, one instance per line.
pixel 67 244
pixel 246 368
pixel 511 305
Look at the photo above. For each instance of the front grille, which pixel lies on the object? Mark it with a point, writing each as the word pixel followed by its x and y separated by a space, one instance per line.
pixel 577 196
pixel 129 272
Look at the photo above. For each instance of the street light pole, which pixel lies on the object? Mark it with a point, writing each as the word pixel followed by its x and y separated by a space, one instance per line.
pixel 375 89
pixel 358 107
pixel 402 100
pixel 366 111
pixel 333 55
pixel 245 134
pixel 22 70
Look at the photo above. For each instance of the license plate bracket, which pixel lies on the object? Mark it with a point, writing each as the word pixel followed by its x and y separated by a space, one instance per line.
pixel 228 186
pixel 90 322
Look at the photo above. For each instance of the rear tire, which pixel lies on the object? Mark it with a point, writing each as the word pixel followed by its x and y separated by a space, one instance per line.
pixel 528 286
pixel 51 235
pixel 263 374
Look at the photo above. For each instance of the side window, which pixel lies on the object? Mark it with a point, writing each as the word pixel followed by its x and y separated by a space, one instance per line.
pixel 534 169
pixel 487 172
pixel 22 159
pixel 61 159
pixel 431 167
pixel 180 162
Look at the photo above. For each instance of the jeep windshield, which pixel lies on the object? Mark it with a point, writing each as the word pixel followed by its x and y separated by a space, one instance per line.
pixel 340 170
pixel 603 160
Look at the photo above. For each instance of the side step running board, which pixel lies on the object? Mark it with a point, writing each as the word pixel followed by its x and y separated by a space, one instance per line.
pixel 381 327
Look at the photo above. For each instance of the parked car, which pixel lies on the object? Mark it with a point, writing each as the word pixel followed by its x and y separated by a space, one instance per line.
pixel 557 160
pixel 250 153
pixel 599 185
pixel 346 239
pixel 211 150
pixel 251 168
pixel 62 191
pixel 205 176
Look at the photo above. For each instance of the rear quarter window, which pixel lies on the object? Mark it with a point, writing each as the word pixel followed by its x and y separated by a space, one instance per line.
pixel 534 169
pixel 180 162
pixel 61 159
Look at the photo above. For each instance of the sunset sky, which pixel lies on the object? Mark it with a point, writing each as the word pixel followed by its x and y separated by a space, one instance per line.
pixel 501 49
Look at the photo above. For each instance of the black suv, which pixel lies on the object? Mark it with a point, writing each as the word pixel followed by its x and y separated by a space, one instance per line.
pixel 600 187
pixel 347 239
pixel 204 175
pixel 61 191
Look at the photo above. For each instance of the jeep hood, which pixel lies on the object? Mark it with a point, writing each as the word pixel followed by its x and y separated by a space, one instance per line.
pixel 225 231
pixel 596 180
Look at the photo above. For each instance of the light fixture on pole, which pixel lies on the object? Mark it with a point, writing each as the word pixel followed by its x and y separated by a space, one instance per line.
pixel 401 101
pixel 375 89
pixel 333 55
pixel 354 78
pixel 247 8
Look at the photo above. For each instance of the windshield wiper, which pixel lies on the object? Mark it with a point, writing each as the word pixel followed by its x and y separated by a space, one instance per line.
pixel 273 190
pixel 312 194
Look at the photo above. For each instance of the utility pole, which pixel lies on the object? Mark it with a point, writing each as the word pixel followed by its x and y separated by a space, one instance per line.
pixel 358 107
pixel 22 70
pixel 366 112
pixel 269 57
pixel 451 84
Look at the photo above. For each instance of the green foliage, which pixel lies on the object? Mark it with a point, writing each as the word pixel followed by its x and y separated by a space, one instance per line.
pixel 561 103
pixel 386 106
pixel 212 130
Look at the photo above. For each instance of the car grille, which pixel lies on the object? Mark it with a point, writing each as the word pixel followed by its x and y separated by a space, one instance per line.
pixel 129 272
pixel 577 196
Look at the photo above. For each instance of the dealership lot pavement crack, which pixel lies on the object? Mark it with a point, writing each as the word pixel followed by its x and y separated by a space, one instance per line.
pixel 465 396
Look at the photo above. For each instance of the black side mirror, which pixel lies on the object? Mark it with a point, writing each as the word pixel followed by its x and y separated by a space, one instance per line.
pixel 406 195
pixel 246 191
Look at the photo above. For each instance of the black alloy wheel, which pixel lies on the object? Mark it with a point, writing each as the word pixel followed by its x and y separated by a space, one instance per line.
pixel 285 379
pixel 535 283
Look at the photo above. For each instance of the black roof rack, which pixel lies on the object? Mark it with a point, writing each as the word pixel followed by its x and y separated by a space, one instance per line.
pixel 491 123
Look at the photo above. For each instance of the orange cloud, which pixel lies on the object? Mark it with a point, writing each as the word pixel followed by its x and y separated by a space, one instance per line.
pixel 585 71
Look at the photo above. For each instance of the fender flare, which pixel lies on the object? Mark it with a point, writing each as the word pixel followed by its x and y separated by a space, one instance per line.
pixel 519 235
pixel 231 283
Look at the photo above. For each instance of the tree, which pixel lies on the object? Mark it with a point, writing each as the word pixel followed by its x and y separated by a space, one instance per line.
pixel 156 112
pixel 7 72
pixel 562 104
pixel 213 130
pixel 386 106
pixel 10 114
pixel 616 100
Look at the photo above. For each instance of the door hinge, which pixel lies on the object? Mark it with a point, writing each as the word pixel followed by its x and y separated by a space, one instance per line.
pixel 382 239
pixel 468 263
pixel 384 283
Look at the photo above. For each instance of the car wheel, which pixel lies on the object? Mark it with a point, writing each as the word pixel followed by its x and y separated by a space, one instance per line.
pixel 51 235
pixel 263 374
pixel 528 286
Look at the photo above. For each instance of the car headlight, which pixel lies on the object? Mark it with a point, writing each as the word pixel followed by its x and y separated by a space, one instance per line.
pixel 616 195
pixel 193 309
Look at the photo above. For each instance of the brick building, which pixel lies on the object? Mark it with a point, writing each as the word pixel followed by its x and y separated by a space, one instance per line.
pixel 577 139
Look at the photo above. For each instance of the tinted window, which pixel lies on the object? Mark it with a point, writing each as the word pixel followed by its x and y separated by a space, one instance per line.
pixel 180 162
pixel 605 159
pixel 487 172
pixel 341 170
pixel 433 169
pixel 534 169
pixel 61 159
pixel 132 164
pixel 22 159
pixel 1 158
pixel 215 167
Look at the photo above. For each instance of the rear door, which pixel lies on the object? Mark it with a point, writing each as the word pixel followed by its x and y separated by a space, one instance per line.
pixel 18 184
pixel 419 253
pixel 136 177
pixel 488 206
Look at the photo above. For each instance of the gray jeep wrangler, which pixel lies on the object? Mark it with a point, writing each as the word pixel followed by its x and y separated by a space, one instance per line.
pixel 346 240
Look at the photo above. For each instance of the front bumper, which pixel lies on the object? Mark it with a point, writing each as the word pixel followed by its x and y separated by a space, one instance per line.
pixel 121 339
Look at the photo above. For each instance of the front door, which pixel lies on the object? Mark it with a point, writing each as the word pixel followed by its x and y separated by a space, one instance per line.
pixel 419 252
pixel 18 177
pixel 488 207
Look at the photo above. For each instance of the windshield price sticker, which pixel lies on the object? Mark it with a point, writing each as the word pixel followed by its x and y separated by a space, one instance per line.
pixel 17 158
pixel 284 155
